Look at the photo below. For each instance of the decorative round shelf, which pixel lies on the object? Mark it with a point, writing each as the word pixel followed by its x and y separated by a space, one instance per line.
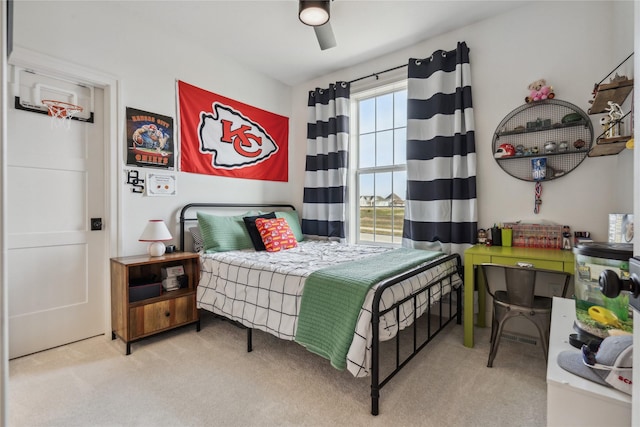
pixel 554 130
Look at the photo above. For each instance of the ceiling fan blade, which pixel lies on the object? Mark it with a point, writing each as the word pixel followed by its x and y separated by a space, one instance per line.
pixel 325 36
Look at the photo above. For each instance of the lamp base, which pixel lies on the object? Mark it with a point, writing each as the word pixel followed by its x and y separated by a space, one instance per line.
pixel 156 249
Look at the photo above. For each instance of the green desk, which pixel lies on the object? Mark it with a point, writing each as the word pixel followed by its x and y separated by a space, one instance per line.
pixel 552 259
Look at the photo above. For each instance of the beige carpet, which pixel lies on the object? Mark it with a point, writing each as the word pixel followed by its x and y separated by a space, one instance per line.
pixel 184 378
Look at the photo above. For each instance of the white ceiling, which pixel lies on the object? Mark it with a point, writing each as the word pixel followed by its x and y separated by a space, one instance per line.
pixel 267 35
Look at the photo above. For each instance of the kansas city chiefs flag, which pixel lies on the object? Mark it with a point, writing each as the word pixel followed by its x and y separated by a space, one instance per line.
pixel 220 136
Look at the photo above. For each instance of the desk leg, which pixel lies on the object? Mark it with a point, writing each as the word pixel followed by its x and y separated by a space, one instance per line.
pixel 469 280
pixel 482 301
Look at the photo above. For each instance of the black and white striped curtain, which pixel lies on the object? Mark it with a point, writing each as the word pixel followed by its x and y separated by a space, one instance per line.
pixel 324 204
pixel 441 208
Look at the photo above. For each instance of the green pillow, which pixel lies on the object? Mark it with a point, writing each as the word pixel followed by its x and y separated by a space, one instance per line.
pixel 224 233
pixel 294 223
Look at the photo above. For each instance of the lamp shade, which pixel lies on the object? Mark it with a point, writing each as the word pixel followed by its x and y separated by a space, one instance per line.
pixel 155 232
pixel 314 13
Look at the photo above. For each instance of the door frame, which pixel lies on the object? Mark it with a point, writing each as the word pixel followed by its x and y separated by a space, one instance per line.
pixel 54 67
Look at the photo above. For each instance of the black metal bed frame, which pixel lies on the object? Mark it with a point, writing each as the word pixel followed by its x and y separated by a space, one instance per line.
pixel 442 321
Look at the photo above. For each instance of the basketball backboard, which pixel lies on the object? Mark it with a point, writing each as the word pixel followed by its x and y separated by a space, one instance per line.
pixel 30 89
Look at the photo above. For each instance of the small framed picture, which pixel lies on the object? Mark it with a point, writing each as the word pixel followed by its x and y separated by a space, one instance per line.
pixel 161 184
pixel 620 228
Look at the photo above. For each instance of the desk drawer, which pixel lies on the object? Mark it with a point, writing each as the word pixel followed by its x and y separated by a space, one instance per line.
pixel 537 263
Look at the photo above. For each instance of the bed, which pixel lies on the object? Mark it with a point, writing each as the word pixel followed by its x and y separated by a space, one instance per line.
pixel 264 290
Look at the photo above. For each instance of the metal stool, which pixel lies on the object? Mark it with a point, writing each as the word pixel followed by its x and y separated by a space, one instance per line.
pixel 519 299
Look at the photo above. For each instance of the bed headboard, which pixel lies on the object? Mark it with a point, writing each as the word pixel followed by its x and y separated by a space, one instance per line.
pixel 189 211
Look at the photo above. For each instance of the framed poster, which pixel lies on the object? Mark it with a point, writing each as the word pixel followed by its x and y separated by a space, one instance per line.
pixel 149 139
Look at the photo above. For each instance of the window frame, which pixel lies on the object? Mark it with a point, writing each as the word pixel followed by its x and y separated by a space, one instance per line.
pixel 353 220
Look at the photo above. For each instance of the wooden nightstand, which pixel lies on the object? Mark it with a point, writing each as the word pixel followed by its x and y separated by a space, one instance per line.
pixel 164 310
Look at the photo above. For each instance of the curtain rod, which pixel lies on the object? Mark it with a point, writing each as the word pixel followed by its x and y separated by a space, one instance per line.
pixel 376 75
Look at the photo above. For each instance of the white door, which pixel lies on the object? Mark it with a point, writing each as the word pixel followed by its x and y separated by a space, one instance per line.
pixel 55 180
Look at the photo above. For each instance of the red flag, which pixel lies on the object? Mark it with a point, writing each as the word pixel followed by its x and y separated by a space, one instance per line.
pixel 220 136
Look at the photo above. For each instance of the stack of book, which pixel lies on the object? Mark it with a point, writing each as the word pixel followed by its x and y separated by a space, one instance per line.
pixel 173 278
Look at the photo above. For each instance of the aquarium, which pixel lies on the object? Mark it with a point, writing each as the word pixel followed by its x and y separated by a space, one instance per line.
pixel 595 313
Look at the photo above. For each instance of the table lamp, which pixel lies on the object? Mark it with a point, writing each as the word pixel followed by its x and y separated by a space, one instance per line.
pixel 155 232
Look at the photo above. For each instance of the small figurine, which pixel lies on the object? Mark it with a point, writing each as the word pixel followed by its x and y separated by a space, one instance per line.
pixel 563 146
pixel 615 111
pixel 613 123
pixel 550 147
pixel 482 236
pixel 566 237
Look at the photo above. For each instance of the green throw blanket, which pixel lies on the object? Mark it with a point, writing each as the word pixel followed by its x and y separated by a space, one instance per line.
pixel 333 296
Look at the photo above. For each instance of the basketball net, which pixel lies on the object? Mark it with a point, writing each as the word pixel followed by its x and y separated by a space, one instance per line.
pixel 61 112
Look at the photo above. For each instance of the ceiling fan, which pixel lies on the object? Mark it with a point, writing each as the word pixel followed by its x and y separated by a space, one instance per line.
pixel 316 14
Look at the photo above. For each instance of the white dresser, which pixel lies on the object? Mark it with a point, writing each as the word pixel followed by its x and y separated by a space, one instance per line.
pixel 573 400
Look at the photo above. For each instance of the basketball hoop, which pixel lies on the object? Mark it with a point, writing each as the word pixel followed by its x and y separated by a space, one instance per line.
pixel 61 112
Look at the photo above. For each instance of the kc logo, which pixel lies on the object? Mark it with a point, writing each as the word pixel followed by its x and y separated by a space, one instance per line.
pixel 236 141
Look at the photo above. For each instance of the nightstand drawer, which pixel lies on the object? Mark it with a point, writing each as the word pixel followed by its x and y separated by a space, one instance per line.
pixel 150 318
pixel 537 263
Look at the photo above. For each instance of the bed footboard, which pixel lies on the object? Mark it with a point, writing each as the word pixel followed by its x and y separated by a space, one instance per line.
pixel 419 342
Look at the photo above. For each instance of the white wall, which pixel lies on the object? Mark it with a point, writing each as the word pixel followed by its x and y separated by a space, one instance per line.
pixel 148 59
pixel 4 324
pixel 572 45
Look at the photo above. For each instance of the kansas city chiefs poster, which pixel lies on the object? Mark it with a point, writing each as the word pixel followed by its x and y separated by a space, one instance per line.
pixel 220 136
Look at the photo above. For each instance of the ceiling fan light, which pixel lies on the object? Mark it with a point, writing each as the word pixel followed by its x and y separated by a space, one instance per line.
pixel 314 13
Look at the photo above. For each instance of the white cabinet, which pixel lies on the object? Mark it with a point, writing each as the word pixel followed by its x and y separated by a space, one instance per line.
pixel 573 400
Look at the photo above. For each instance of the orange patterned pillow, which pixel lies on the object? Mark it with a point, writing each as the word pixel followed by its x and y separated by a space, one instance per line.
pixel 276 234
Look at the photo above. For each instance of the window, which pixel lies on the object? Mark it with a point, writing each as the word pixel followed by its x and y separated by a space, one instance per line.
pixel 379 172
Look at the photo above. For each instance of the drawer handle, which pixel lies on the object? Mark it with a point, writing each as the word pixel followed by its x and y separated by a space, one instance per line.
pixel 167 314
